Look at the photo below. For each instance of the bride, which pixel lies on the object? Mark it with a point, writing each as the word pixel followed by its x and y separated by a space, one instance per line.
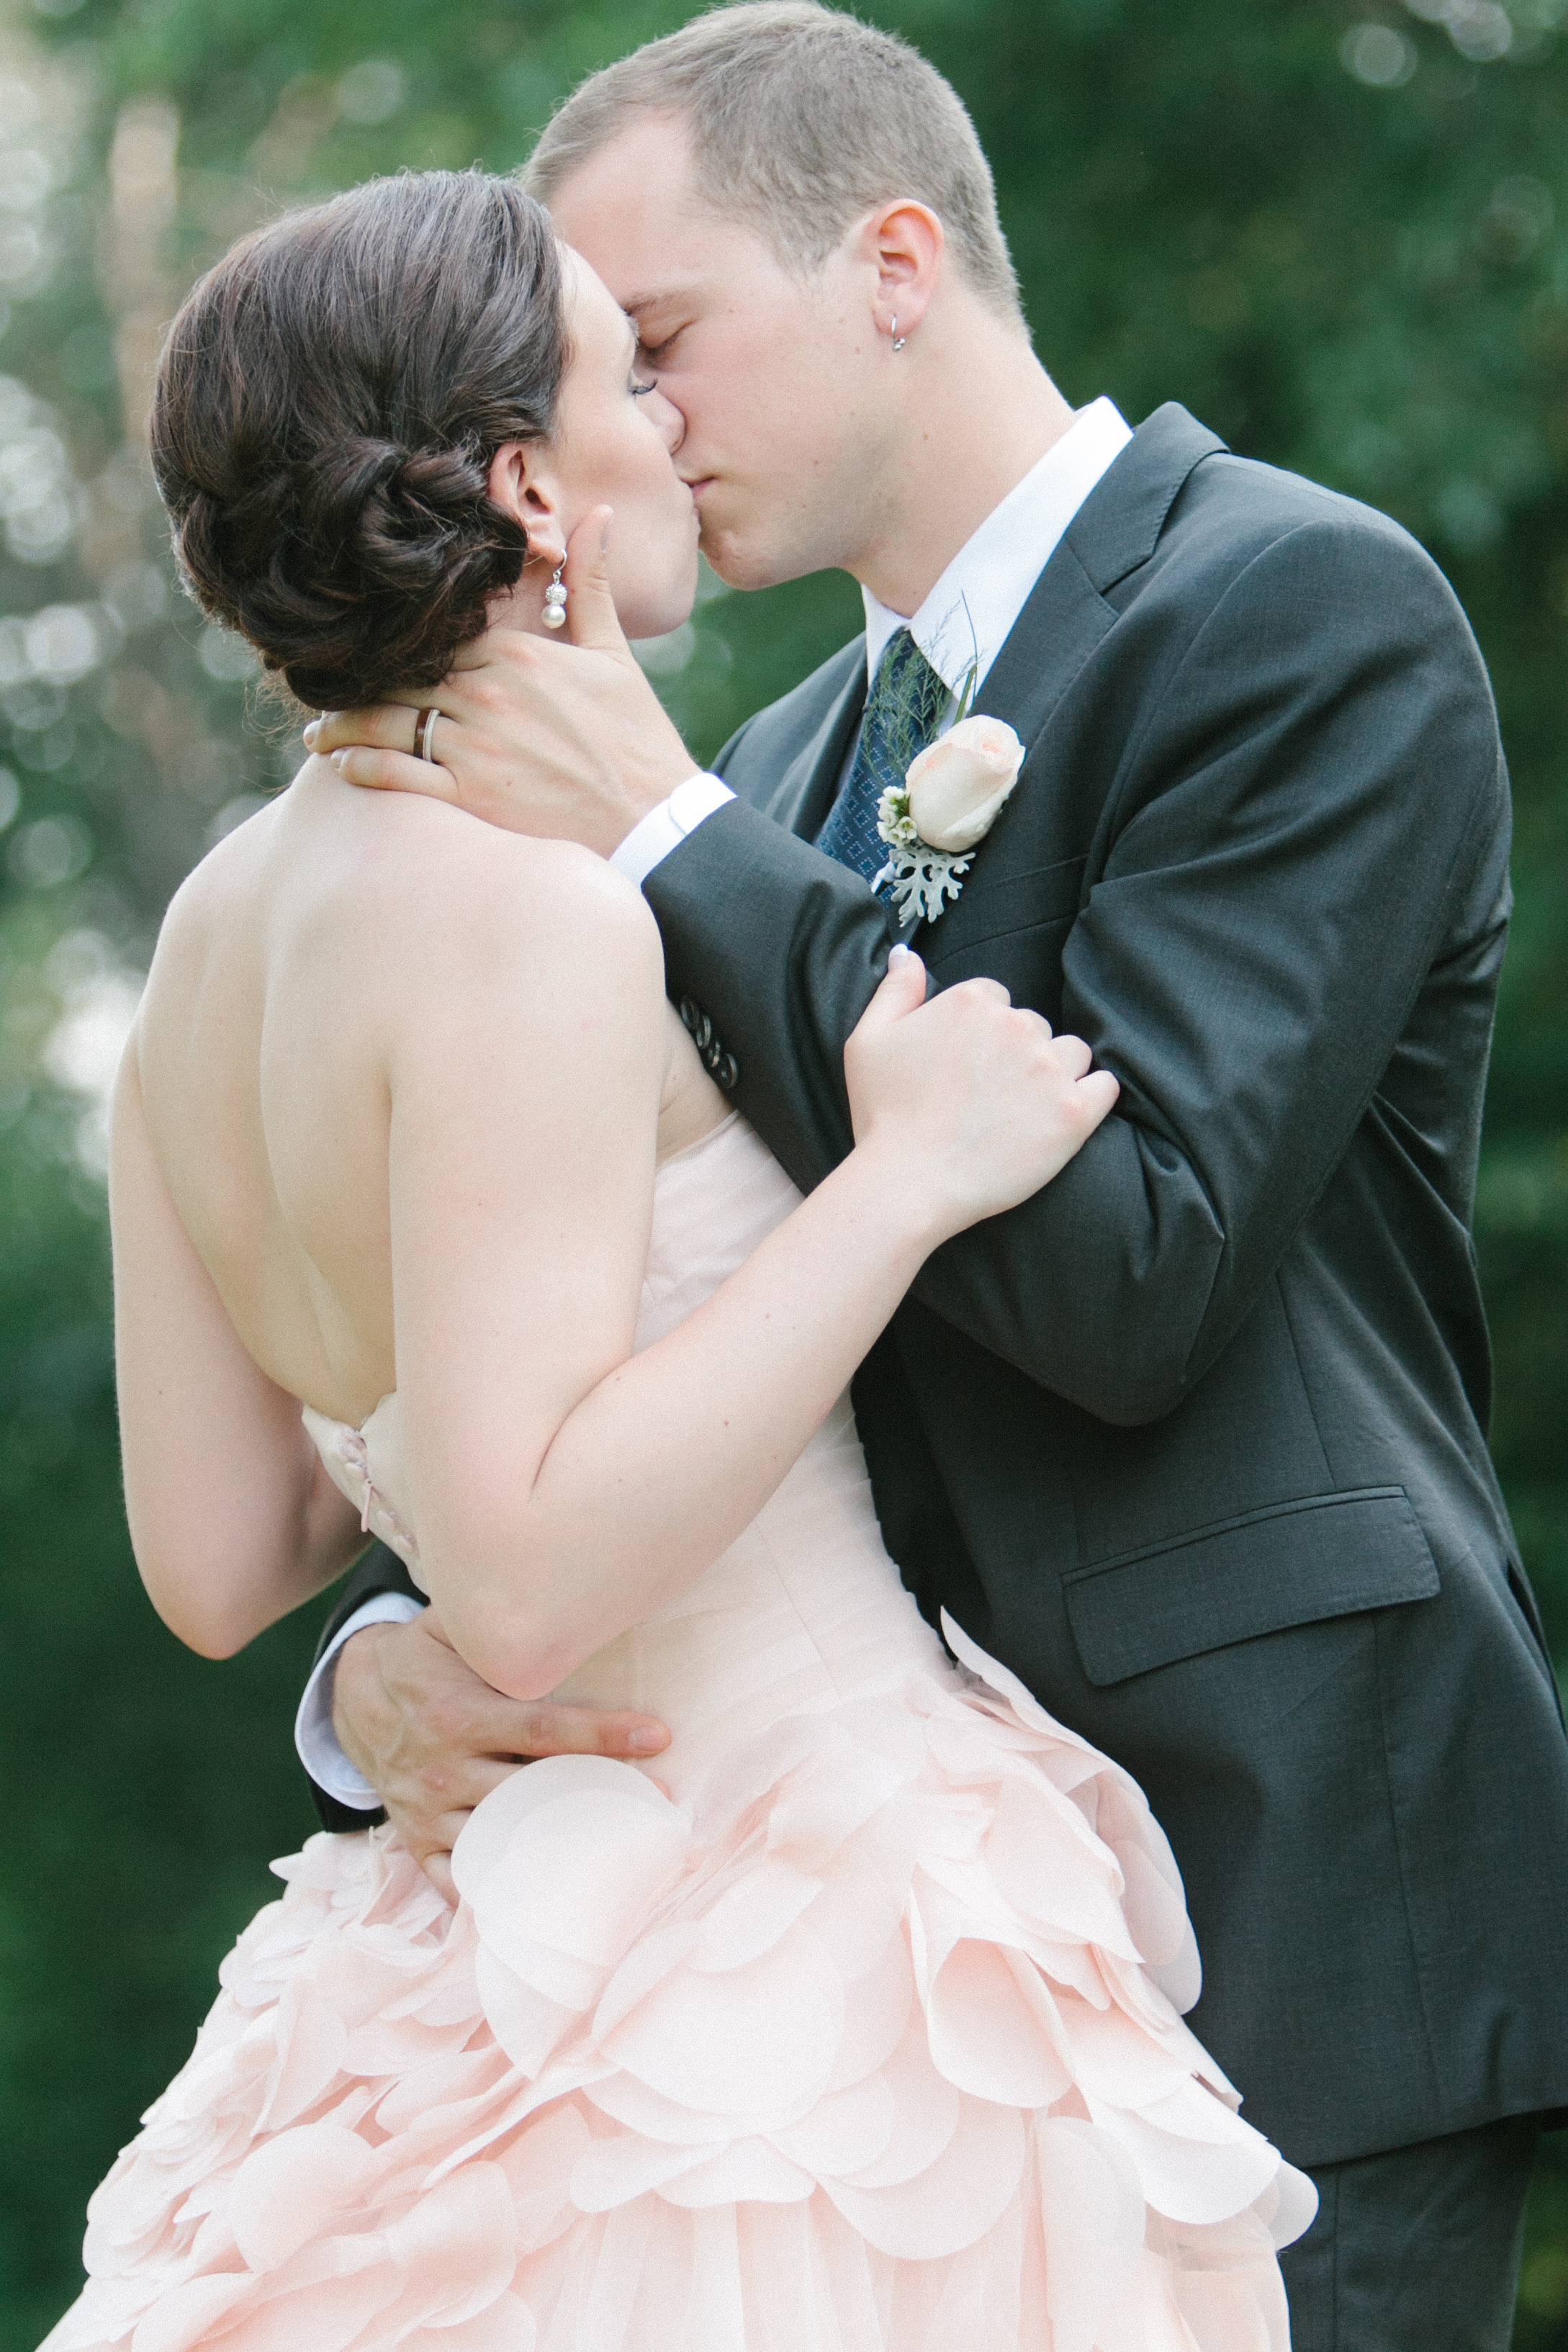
pixel 858 2027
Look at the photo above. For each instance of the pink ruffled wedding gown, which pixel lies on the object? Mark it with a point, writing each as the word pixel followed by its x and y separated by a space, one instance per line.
pixel 865 2038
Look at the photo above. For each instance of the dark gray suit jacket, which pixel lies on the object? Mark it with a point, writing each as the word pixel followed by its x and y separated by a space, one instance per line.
pixel 1194 1440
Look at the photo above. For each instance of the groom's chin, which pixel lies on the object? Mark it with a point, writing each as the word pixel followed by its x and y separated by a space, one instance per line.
pixel 740 563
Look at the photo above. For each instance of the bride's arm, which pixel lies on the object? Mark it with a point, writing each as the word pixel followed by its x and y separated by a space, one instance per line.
pixel 239 1522
pixel 563 1487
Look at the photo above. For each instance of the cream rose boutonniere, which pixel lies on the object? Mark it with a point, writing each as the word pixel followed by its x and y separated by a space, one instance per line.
pixel 947 804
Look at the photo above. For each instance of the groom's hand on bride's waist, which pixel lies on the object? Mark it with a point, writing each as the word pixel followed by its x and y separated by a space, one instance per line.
pixel 563 741
pixel 433 1738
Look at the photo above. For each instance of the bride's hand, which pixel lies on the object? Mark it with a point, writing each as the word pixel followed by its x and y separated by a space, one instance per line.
pixel 565 741
pixel 972 1099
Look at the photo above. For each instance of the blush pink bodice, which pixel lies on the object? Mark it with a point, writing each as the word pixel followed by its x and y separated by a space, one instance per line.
pixel 806 1608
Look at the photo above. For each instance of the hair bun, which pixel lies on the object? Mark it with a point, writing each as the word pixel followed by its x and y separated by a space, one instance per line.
pixel 381 504
pixel 340 517
pixel 361 568
pixel 384 567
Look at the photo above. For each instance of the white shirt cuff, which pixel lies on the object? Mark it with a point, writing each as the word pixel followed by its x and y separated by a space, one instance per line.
pixel 667 827
pixel 314 1737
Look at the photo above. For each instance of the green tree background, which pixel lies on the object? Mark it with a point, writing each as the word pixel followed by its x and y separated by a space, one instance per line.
pixel 1337 229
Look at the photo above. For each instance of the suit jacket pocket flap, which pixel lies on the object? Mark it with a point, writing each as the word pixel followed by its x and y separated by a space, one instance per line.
pixel 995 902
pixel 1293 1564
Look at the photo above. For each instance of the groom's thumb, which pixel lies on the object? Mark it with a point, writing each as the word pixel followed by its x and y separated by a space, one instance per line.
pixel 591 617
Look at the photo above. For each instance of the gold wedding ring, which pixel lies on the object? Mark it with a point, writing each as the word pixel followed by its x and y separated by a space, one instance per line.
pixel 424 729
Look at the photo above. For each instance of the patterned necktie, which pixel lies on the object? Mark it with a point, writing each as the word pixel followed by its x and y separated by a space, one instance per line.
pixel 906 700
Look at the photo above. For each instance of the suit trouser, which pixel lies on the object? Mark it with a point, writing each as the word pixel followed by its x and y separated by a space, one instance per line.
pixel 1416 2250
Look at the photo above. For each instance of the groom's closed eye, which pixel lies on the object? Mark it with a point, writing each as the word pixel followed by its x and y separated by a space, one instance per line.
pixel 654 353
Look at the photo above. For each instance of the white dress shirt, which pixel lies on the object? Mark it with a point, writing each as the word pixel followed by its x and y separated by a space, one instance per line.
pixel 315 1742
pixel 961 628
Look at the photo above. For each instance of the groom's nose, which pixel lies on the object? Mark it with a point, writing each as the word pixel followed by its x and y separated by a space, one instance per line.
pixel 668 418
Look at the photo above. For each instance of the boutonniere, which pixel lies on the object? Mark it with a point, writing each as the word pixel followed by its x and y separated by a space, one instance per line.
pixel 946 805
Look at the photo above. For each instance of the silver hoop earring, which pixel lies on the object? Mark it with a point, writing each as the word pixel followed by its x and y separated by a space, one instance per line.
pixel 556 600
pixel 898 340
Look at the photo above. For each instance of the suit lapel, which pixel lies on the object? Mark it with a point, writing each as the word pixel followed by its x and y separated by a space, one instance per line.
pixel 805 789
pixel 1063 622
pixel 1066 616
pixel 1115 531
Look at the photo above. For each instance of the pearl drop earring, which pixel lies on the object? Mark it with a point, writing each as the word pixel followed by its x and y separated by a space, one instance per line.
pixel 556 600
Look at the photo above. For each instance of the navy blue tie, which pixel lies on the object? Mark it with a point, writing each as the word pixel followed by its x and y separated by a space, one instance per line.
pixel 906 701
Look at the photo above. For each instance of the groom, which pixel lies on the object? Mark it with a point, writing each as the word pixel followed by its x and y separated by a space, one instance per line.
pixel 1192 1441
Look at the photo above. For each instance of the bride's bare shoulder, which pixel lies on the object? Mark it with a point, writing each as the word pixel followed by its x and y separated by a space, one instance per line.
pixel 417 876
pixel 220 887
pixel 470 884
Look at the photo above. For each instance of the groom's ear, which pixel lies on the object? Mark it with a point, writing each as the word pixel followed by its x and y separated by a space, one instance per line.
pixel 904 242
pixel 523 486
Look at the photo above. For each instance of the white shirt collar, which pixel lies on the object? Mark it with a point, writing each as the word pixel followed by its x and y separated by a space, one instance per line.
pixel 970 612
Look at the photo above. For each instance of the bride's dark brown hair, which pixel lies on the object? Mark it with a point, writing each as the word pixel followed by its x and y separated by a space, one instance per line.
pixel 328 404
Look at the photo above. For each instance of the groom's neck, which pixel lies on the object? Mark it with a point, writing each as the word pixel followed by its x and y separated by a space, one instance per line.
pixel 975 412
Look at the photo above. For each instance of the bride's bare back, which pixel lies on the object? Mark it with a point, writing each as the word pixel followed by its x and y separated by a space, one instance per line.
pixel 388 1119
pixel 307 948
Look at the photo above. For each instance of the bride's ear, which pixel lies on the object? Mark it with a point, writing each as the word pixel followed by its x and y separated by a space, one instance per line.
pixel 523 486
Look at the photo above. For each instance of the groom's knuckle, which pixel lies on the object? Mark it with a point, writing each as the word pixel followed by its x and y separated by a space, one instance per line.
pixel 447 1719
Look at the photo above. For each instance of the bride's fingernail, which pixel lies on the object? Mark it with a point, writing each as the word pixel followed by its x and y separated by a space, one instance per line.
pixel 338 759
pixel 645 1743
pixel 311 731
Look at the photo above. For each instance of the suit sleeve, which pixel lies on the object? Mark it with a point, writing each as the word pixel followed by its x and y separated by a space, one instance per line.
pixel 379 1572
pixel 1305 804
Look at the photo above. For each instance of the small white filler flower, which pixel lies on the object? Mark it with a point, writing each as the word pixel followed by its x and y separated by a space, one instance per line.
pixel 948 803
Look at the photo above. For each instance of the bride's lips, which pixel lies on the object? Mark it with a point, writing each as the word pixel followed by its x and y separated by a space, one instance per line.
pixel 704 482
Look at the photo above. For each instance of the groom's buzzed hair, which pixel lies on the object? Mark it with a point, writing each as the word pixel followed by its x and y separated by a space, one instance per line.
pixel 802 119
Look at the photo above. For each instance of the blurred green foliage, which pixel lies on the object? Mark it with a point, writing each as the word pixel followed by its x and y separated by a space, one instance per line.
pixel 1337 229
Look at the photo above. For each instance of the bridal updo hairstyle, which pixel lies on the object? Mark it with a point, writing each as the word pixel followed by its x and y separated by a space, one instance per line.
pixel 328 404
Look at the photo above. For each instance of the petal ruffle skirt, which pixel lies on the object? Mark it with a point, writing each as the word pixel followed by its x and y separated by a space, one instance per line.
pixel 863 2048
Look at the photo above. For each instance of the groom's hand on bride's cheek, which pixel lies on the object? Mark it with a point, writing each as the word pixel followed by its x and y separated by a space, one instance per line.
pixel 433 1738
pixel 565 741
